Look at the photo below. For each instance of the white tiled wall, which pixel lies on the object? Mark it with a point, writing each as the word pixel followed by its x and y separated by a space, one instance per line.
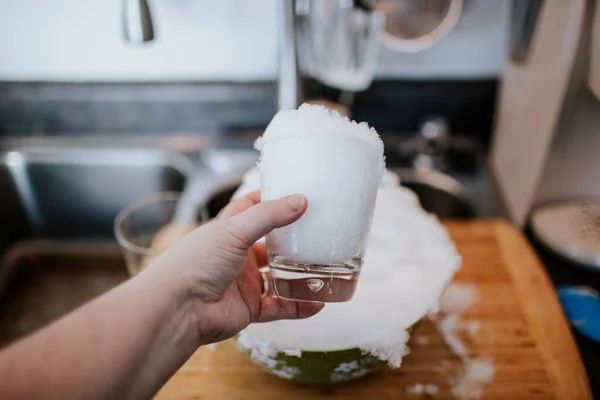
pixel 82 40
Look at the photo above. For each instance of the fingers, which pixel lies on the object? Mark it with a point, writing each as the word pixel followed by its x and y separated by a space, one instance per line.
pixel 260 219
pixel 274 308
pixel 260 252
pixel 241 204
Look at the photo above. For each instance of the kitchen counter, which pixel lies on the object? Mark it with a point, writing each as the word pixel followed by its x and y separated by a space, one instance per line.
pixel 522 329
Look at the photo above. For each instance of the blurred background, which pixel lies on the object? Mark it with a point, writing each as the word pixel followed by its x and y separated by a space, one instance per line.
pixel 223 55
pixel 488 109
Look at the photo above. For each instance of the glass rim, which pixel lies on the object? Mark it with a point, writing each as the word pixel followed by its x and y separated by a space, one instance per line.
pixel 125 243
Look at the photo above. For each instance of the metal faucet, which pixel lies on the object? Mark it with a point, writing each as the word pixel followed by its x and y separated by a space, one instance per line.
pixel 289 93
pixel 139 28
pixel 137 21
pixel 429 147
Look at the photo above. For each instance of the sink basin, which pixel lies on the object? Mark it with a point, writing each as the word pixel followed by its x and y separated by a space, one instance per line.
pixel 439 193
pixel 58 204
pixel 75 193
pixel 57 210
pixel 41 281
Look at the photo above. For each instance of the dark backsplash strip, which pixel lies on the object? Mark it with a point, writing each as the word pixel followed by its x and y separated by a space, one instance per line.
pixel 468 106
pixel 45 108
pixel 70 108
pixel 401 106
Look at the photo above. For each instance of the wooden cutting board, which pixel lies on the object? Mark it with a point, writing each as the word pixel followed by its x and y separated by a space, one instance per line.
pixel 522 329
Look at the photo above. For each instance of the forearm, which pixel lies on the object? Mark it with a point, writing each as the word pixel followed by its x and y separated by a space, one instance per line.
pixel 128 342
pixel 124 344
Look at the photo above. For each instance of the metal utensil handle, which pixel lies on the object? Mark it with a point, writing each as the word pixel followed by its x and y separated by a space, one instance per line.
pixel 138 26
pixel 525 16
pixel 289 91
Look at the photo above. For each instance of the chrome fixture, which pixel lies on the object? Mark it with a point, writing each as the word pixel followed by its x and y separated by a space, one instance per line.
pixel 429 146
pixel 137 21
pixel 289 93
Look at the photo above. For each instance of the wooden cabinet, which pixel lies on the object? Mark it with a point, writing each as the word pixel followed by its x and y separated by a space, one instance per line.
pixel 531 101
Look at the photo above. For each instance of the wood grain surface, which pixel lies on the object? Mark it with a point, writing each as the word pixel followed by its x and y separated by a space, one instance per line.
pixel 522 329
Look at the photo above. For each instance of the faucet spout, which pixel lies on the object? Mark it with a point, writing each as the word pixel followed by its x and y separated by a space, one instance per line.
pixel 289 90
pixel 137 21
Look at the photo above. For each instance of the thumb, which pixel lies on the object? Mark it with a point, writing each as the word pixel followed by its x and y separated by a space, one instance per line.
pixel 260 219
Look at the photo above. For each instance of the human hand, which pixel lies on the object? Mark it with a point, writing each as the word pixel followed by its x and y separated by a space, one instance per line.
pixel 204 288
pixel 219 264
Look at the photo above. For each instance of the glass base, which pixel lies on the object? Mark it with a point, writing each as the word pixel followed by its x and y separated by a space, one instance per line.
pixel 321 283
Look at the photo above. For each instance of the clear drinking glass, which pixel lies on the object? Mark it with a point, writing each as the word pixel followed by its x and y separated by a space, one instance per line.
pixel 319 257
pixel 144 228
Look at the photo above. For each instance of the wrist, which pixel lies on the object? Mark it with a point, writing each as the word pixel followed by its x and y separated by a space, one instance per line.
pixel 181 320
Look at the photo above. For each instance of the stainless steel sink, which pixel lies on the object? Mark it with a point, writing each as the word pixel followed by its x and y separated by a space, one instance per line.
pixel 76 192
pixel 41 280
pixel 57 209
pixel 58 201
pixel 439 193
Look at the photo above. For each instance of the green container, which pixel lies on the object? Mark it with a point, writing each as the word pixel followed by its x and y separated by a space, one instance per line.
pixel 320 367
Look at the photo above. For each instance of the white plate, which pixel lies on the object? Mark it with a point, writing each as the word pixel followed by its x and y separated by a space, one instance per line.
pixel 571 229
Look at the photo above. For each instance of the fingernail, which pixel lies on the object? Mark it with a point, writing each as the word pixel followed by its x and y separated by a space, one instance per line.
pixel 296 202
